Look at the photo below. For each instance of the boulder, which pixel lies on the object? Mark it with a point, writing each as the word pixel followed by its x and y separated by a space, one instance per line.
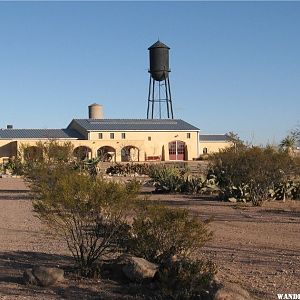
pixel 138 269
pixel 29 278
pixel 231 291
pixel 44 276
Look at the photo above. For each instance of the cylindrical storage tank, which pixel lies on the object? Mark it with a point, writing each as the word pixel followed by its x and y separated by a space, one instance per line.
pixel 95 111
pixel 159 61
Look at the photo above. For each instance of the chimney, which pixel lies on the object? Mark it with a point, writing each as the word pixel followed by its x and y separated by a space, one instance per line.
pixel 95 111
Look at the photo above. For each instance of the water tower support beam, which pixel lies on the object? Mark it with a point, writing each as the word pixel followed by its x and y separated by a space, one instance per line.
pixel 170 98
pixel 149 95
pixel 153 90
pixel 167 97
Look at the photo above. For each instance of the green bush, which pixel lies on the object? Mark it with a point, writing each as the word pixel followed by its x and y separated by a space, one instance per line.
pixel 14 165
pixel 186 279
pixel 159 233
pixel 91 215
pixel 248 173
pixel 31 159
pixel 170 237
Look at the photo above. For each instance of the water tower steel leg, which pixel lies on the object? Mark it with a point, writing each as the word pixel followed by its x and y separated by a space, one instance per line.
pixel 153 82
pixel 149 95
pixel 167 97
pixel 169 88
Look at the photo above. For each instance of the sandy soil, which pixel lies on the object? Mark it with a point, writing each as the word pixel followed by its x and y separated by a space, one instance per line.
pixel 258 248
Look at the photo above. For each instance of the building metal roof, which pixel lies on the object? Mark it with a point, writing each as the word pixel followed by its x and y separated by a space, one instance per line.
pixel 39 134
pixel 134 125
pixel 213 138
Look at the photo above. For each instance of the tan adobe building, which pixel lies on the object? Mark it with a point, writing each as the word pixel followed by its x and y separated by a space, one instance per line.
pixel 212 143
pixel 119 140
pixel 115 140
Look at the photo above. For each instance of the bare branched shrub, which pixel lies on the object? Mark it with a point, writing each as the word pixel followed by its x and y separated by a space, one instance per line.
pixel 89 214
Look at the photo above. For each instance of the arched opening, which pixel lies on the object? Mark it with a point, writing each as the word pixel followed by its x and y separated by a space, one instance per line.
pixel 177 150
pixel 130 153
pixel 82 152
pixel 107 153
pixel 33 153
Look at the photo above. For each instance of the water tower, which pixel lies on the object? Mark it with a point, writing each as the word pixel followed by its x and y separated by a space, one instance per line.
pixel 159 95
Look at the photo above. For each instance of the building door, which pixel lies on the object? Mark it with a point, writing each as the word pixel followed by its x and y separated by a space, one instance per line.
pixel 177 150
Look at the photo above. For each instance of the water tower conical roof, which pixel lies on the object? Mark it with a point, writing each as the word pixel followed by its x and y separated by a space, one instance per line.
pixel 158 44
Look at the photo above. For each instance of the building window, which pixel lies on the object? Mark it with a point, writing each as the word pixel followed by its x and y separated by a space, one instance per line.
pixel 112 136
pixel 149 138
pixel 100 136
pixel 188 135
pixel 205 150
pixel 123 135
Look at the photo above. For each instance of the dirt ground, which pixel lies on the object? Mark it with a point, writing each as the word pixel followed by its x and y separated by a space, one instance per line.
pixel 256 247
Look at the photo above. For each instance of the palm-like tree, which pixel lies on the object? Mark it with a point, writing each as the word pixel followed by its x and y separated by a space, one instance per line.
pixel 288 143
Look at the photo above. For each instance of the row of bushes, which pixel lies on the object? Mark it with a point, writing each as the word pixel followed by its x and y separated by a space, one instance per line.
pixel 141 169
pixel 128 169
pixel 256 174
pixel 48 153
pixel 237 174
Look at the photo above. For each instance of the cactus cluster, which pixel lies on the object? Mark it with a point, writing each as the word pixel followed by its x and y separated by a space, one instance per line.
pixel 289 189
pixel 172 179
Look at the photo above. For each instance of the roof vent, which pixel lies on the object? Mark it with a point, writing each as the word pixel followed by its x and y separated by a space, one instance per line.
pixel 9 127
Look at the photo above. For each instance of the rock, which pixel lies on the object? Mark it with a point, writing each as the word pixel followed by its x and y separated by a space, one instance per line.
pixel 47 276
pixel 29 278
pixel 113 270
pixel 231 291
pixel 44 276
pixel 138 269
pixel 232 199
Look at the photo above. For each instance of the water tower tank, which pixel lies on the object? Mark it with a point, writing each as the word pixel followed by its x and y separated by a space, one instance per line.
pixel 95 111
pixel 159 61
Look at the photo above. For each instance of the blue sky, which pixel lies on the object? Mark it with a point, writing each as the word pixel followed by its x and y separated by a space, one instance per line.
pixel 235 66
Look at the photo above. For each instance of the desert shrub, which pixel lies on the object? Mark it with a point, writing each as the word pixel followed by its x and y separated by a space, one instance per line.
pixel 51 154
pixel 167 178
pixel 159 233
pixel 55 152
pixel 14 166
pixel 250 172
pixel 42 155
pixel 90 215
pixel 170 238
pixel 186 279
